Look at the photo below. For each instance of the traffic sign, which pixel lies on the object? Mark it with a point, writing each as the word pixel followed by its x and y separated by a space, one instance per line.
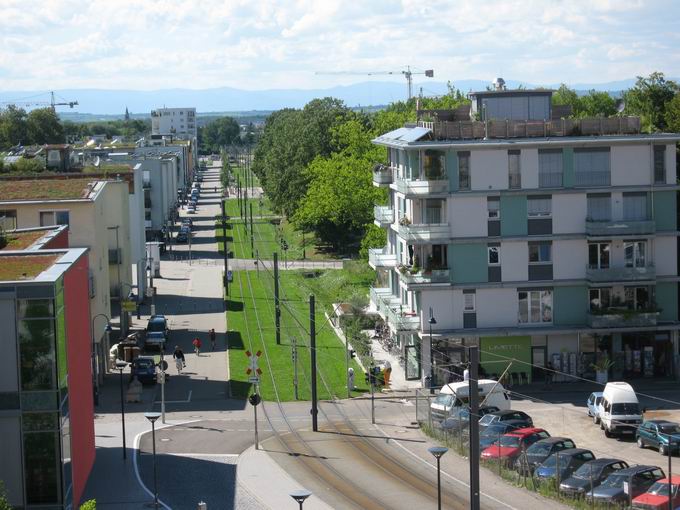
pixel 254 379
pixel 230 276
pixel 253 368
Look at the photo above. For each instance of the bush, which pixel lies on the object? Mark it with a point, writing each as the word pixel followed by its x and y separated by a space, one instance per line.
pixel 4 504
pixel 89 505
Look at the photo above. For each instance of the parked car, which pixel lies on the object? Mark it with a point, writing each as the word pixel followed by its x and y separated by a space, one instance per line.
pixel 144 367
pixel 157 332
pixel 656 497
pixel 619 409
pixel 562 465
pixel 540 451
pixel 660 434
pixel 461 417
pixel 508 414
pixel 509 446
pixel 490 434
pixel 593 402
pixel 639 479
pixel 590 475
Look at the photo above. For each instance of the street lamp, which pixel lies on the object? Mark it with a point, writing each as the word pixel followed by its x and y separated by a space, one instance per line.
pixel 432 321
pixel 152 417
pixel 438 452
pixel 107 329
pixel 120 365
pixel 300 496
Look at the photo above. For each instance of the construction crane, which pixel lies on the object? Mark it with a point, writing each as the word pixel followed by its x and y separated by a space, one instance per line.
pixel 408 74
pixel 52 103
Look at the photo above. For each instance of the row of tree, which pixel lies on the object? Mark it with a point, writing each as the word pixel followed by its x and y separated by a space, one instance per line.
pixel 130 128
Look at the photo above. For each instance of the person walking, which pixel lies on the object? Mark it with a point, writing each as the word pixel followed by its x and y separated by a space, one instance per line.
pixel 197 346
pixel 387 371
pixel 213 339
pixel 178 356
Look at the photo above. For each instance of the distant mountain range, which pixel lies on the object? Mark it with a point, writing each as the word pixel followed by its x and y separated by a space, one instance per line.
pixel 227 99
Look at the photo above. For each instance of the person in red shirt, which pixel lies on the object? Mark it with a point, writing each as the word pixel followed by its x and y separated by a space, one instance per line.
pixel 197 346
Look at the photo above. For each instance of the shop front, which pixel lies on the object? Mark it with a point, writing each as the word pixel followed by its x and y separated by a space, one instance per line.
pixel 511 355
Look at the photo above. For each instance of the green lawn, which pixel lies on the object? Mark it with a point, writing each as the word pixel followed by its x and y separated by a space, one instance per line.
pixel 238 170
pixel 261 207
pixel 251 326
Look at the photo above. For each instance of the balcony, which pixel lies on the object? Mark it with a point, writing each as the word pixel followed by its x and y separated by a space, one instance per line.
pixel 379 257
pixel 382 175
pixel 382 297
pixel 620 274
pixel 424 232
pixel 617 318
pixel 421 188
pixel 620 228
pixel 423 276
pixel 403 320
pixel 383 215
pixel 549 180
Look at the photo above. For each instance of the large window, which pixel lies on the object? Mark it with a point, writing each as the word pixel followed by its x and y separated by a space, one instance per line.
pixel 434 165
pixel 464 170
pixel 592 167
pixel 659 164
pixel 49 218
pixel 493 207
pixel 599 207
pixel 635 206
pixel 514 170
pixel 598 255
pixel 41 467
pixel 540 253
pixel 635 253
pixel 539 207
pixel 494 254
pixel 550 168
pixel 8 219
pixel 433 210
pixel 639 298
pixel 600 298
pixel 535 307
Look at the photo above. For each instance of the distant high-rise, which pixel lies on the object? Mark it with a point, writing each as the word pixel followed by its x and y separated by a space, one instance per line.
pixel 179 122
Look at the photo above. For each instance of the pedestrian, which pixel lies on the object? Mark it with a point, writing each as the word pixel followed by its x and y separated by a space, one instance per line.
pixel 197 346
pixel 387 371
pixel 212 339
pixel 549 372
pixel 178 356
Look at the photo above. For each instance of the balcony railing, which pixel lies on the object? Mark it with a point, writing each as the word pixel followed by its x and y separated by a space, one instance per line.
pixel 401 319
pixel 622 319
pixel 382 174
pixel 425 232
pixel 382 297
pixel 379 257
pixel 422 187
pixel 384 215
pixel 620 274
pixel 424 277
pixel 620 227
pixel 584 179
pixel 549 180
pixel 514 181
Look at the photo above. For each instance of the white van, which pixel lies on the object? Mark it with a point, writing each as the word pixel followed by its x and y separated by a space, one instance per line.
pixel 619 409
pixel 453 395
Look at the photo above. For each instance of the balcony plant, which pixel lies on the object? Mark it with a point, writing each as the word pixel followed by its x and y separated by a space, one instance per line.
pixel 404 221
pixel 601 368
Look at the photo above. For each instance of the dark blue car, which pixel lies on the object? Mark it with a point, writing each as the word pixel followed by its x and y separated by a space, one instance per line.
pixel 563 464
pixel 144 367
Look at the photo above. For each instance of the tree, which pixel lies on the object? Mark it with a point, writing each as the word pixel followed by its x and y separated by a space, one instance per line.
pixel 218 133
pixel 672 114
pixel 25 166
pixel 592 104
pixel 4 504
pixel 43 126
pixel 568 97
pixel 13 126
pixel 375 237
pixel 648 99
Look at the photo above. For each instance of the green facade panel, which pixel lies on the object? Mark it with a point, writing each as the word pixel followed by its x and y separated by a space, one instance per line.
pixel 513 215
pixel 570 306
pixel 667 300
pixel 568 167
pixel 664 210
pixel 468 263
pixel 452 169
pixel 496 353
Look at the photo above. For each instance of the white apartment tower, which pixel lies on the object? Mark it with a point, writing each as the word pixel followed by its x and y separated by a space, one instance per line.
pixel 178 122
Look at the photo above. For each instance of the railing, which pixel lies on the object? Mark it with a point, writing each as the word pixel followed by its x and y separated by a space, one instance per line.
pixel 457 130
pixel 549 180
pixel 432 276
pixel 622 319
pixel 425 232
pixel 592 178
pixel 402 320
pixel 620 274
pixel 421 187
pixel 382 174
pixel 384 215
pixel 379 257
pixel 620 227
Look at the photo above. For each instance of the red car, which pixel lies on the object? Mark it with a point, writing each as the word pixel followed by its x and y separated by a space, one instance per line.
pixel 510 445
pixel 656 496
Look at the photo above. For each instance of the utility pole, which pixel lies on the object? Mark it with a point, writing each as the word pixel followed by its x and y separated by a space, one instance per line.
pixel 473 391
pixel 277 304
pixel 252 230
pixel 312 355
pixel 295 368
pixel 226 248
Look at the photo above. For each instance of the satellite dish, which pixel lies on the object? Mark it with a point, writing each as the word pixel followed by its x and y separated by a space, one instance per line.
pixel 97 162
pixel 620 105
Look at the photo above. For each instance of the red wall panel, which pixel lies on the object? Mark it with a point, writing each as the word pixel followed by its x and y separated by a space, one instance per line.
pixel 59 241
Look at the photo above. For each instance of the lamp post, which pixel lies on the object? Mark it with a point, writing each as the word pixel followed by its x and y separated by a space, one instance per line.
pixel 438 452
pixel 431 321
pixel 107 329
pixel 300 496
pixel 152 417
pixel 120 365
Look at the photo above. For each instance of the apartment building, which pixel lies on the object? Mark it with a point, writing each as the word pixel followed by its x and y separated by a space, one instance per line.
pixel 542 241
pixel 97 214
pixel 180 122
pixel 46 399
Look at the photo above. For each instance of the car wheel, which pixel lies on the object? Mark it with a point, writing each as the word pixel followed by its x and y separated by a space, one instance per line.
pixel 663 450
pixel 640 443
pixel 601 425
pixel 596 420
pixel 607 433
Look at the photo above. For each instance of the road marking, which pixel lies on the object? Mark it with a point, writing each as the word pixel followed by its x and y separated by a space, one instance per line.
pixel 176 401
pixel 216 455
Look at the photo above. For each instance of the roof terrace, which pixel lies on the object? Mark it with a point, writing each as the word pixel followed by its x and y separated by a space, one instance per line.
pixel 25 267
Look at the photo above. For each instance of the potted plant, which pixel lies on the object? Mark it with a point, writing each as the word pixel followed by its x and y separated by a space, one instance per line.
pixel 601 368
pixel 404 221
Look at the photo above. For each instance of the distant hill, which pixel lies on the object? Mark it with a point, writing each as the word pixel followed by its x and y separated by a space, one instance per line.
pixel 106 102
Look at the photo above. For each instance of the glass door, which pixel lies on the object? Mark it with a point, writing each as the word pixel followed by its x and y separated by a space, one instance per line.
pixel 538 363
pixel 412 362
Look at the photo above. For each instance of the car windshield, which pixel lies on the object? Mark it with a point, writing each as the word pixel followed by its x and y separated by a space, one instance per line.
pixel 444 399
pixel 598 400
pixel 156 326
pixel 552 461
pixel 539 449
pixel 510 441
pixel 661 489
pixel 670 428
pixel 614 481
pixel 144 363
pixel 487 418
pixel 626 408
pixel 586 471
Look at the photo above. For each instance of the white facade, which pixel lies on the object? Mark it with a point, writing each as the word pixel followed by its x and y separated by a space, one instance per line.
pixel 180 122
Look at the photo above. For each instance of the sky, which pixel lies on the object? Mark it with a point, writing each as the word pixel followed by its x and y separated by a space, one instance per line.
pixel 265 44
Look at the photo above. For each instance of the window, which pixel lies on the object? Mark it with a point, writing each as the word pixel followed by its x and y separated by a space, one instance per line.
pixel 8 219
pixel 600 298
pixel 49 218
pixel 592 167
pixel 433 211
pixel 599 207
pixel 634 253
pixel 540 253
pixel 494 254
pixel 598 255
pixel 434 165
pixel 469 301
pixel 634 206
pixel 535 307
pixel 514 171
pixel 659 164
pixel 550 168
pixel 539 206
pixel 638 298
pixel 464 170
pixel 493 207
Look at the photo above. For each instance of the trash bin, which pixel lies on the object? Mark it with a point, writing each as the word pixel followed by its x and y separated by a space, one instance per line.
pixel 136 351
pixel 127 354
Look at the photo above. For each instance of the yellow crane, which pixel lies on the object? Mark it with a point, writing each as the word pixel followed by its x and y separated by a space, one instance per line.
pixel 408 74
